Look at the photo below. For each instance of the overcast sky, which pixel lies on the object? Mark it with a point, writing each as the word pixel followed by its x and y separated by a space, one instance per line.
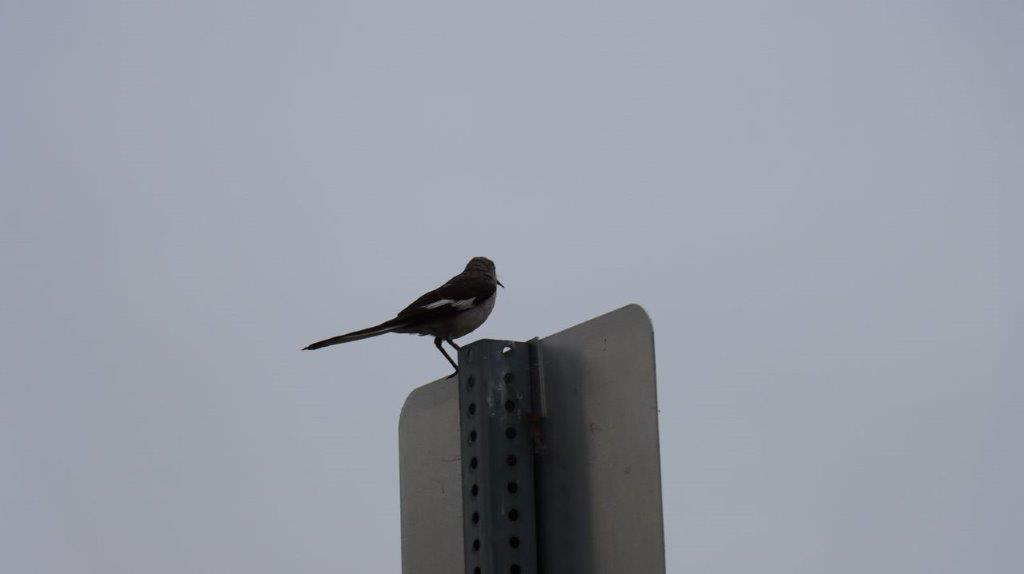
pixel 816 203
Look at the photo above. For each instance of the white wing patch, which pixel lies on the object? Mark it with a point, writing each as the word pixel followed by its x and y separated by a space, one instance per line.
pixel 461 304
pixel 464 304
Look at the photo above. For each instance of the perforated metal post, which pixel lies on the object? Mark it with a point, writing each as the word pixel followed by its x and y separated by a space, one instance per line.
pixel 495 407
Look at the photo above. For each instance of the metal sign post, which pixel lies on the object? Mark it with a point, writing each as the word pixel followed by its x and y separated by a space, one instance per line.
pixel 495 407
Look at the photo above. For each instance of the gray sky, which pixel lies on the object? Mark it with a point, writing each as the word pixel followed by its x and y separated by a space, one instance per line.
pixel 815 202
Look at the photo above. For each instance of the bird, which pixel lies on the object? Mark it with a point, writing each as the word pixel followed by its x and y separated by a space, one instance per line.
pixel 453 310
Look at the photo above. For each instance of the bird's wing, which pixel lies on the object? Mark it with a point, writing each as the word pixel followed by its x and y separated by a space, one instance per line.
pixel 459 294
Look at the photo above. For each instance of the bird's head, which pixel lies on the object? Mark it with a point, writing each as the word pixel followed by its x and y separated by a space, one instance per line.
pixel 485 266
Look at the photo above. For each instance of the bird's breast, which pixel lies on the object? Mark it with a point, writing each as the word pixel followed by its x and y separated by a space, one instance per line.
pixel 470 319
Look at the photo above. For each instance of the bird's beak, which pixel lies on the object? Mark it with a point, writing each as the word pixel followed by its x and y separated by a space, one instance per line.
pixel 499 283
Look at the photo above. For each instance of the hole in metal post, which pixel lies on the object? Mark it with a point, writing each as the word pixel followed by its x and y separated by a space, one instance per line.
pixel 510 433
pixel 515 569
pixel 511 460
pixel 513 514
pixel 472 463
pixel 474 490
pixel 470 382
pixel 472 409
pixel 509 377
pixel 476 544
pixel 472 436
pixel 513 487
pixel 476 517
pixel 476 570
pixel 510 406
pixel 514 542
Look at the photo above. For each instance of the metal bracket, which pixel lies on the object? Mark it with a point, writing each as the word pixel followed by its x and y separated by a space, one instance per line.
pixel 496 395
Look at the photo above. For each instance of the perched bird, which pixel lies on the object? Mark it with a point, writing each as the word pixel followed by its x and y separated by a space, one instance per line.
pixel 452 310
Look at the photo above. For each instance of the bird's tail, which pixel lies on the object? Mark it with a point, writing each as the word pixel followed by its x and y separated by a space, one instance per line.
pixel 385 327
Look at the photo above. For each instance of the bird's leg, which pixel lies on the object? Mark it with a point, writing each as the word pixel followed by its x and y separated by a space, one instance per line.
pixel 437 343
pixel 452 343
